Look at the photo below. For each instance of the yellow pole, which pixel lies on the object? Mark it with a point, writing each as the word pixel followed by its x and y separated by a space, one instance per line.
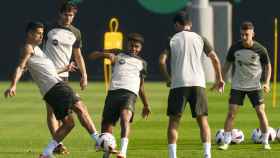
pixel 274 94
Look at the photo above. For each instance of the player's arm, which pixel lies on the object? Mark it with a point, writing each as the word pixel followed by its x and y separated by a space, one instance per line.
pixel 108 54
pixel 267 70
pixel 69 68
pixel 146 108
pixel 25 55
pixel 219 84
pixel 163 66
pixel 81 65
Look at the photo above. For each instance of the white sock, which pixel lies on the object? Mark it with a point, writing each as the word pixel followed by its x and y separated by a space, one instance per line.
pixel 124 144
pixel 172 150
pixel 49 149
pixel 95 136
pixel 207 149
pixel 265 138
pixel 227 137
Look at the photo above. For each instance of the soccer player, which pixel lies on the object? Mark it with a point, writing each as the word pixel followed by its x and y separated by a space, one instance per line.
pixel 248 58
pixel 63 40
pixel 58 95
pixel 187 80
pixel 129 71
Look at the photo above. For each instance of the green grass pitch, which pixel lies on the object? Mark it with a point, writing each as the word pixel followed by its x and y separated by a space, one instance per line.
pixel 24 133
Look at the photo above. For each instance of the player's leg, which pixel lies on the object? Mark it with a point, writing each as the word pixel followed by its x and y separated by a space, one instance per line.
pixel 81 110
pixel 176 106
pixel 205 134
pixel 111 114
pixel 257 100
pixel 236 100
pixel 67 125
pixel 172 135
pixel 53 125
pixel 127 102
pixel 199 107
pixel 125 118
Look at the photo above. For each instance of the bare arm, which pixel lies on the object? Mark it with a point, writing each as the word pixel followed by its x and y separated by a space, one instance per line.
pixel 266 85
pixel 101 55
pixel 25 55
pixel 217 67
pixel 163 66
pixel 81 64
pixel 146 108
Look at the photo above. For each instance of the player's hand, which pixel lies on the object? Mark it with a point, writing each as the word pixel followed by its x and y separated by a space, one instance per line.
pixel 71 67
pixel 219 86
pixel 11 92
pixel 83 83
pixel 266 87
pixel 146 111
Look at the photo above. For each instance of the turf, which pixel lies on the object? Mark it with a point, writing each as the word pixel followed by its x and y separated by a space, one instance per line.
pixel 24 133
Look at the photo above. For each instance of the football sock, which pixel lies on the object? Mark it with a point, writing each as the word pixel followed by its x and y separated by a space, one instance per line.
pixel 172 150
pixel 49 149
pixel 124 144
pixel 265 138
pixel 207 149
pixel 95 136
pixel 227 138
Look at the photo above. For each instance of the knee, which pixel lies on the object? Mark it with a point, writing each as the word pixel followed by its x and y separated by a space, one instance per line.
pixel 231 115
pixel 79 108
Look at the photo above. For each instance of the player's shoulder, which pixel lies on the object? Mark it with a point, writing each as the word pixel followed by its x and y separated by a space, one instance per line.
pixel 27 49
pixel 74 29
pixel 258 46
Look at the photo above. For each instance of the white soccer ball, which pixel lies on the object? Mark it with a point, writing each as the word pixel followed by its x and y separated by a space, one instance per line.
pixel 271 134
pixel 219 137
pixel 277 130
pixel 237 136
pixel 107 141
pixel 257 136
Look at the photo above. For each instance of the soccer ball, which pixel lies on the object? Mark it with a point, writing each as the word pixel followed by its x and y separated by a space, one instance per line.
pixel 237 136
pixel 257 136
pixel 271 134
pixel 107 141
pixel 220 137
pixel 277 130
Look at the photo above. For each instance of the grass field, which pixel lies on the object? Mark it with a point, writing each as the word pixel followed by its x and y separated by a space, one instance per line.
pixel 24 133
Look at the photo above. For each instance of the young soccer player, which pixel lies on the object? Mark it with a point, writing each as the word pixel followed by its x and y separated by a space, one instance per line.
pixel 187 81
pixel 129 71
pixel 62 41
pixel 57 94
pixel 248 58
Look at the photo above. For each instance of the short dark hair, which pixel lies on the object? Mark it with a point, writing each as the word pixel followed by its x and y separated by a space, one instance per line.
pixel 182 18
pixel 69 7
pixel 247 25
pixel 136 37
pixel 33 25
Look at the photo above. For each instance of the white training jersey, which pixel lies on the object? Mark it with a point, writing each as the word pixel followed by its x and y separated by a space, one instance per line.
pixel 186 49
pixel 59 44
pixel 42 71
pixel 127 72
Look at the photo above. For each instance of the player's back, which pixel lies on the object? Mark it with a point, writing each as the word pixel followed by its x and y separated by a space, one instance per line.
pixel 186 67
pixel 42 70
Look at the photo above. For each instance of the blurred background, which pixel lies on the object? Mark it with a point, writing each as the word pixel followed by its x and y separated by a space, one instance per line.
pixel 152 18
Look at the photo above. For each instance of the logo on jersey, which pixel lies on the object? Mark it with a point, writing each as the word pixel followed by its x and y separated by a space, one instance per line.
pixel 121 61
pixel 55 42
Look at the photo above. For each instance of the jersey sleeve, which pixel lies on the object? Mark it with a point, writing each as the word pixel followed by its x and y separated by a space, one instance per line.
pixel 207 48
pixel 78 42
pixel 144 71
pixel 264 58
pixel 230 55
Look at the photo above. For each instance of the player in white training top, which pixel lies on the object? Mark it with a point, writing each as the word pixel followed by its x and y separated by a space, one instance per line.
pixel 129 71
pixel 58 95
pixel 187 80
